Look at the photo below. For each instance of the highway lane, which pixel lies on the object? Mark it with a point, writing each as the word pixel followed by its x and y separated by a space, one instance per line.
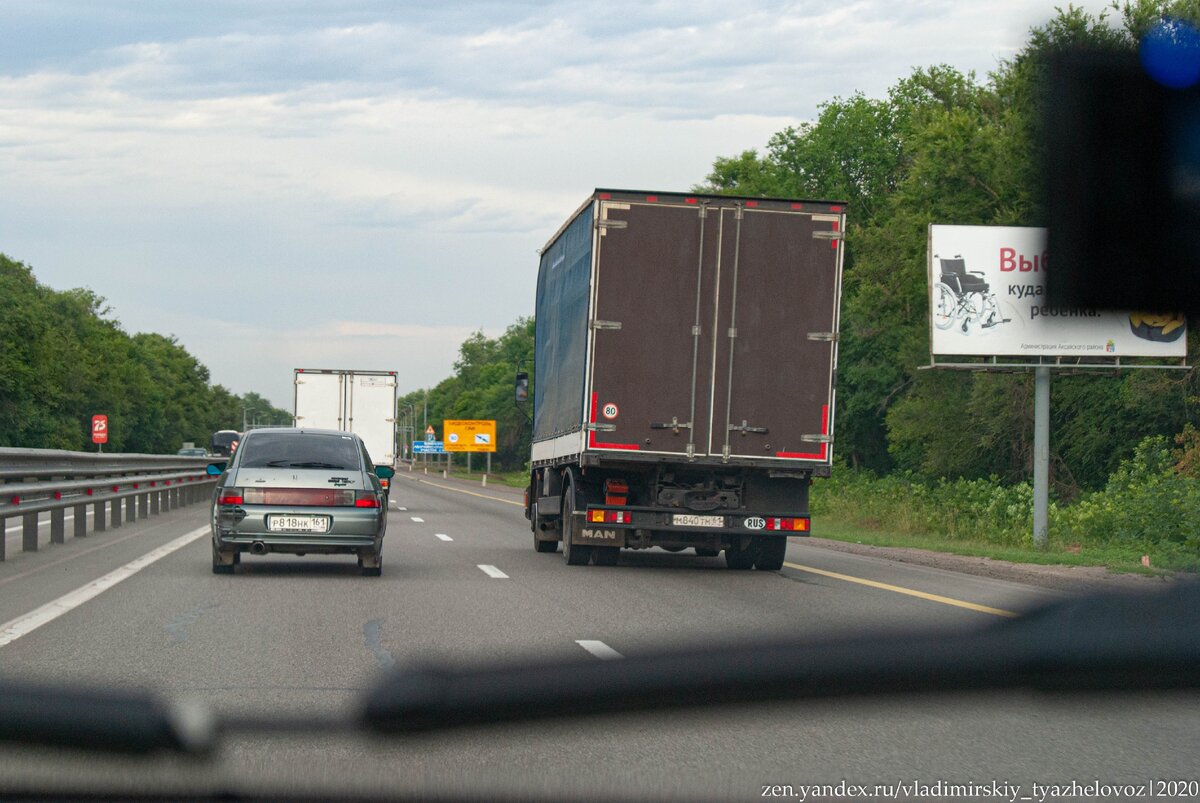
pixel 308 634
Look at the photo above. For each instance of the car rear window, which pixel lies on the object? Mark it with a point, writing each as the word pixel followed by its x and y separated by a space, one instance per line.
pixel 297 450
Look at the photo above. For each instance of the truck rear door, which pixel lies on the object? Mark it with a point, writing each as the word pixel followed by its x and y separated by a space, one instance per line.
pixel 776 330
pixel 371 400
pixel 714 328
pixel 320 399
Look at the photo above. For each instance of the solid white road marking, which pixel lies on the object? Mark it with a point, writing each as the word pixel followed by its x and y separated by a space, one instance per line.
pixel 418 519
pixel 443 536
pixel 599 649
pixel 23 625
pixel 492 571
pixel 398 507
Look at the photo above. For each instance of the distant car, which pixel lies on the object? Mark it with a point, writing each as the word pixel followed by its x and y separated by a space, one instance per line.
pixel 193 452
pixel 299 491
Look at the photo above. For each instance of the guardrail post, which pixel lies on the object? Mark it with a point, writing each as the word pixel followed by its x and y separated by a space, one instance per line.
pixel 80 521
pixel 116 513
pixel 131 508
pixel 144 505
pixel 58 519
pixel 99 522
pixel 3 538
pixel 155 499
pixel 29 539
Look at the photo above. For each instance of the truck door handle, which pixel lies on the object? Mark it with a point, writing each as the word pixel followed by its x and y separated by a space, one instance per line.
pixel 746 428
pixel 675 425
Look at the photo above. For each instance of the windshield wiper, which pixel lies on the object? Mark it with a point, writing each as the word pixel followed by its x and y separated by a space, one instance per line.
pixel 1109 643
pixel 304 464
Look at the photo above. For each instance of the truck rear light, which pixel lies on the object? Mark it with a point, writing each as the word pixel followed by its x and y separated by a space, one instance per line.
pixel 385 483
pixel 616 492
pixel 610 517
pixel 788 524
pixel 230 496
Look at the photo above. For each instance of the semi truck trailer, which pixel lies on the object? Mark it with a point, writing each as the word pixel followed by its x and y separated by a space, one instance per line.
pixel 685 364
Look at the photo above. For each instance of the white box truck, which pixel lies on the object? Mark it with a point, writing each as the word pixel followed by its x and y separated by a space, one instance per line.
pixel 362 402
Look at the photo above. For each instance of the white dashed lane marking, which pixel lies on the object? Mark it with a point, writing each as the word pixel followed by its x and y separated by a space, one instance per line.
pixel 599 649
pixel 443 536
pixel 492 571
pixel 418 519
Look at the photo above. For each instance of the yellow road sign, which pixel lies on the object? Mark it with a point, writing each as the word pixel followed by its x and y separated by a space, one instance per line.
pixel 469 436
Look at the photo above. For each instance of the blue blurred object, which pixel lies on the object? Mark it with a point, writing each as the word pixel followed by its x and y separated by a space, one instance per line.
pixel 1170 53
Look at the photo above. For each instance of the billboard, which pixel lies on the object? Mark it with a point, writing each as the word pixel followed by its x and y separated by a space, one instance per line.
pixel 987 297
pixel 469 436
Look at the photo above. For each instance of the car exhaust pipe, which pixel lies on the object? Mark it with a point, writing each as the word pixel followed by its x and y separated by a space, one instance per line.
pixel 258 548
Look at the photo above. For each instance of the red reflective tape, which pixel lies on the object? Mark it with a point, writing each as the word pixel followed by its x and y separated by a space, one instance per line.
pixel 16 500
pixel 690 201
pixel 821 455
pixel 751 204
pixel 593 443
pixel 652 198
pixel 835 209
pixel 604 196
pixel 797 206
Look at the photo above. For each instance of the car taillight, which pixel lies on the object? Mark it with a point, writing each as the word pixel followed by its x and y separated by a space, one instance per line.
pixel 230 496
pixel 792 525
pixel 610 516
pixel 366 499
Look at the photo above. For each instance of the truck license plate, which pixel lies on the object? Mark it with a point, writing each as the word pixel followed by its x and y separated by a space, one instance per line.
pixel 688 520
pixel 298 524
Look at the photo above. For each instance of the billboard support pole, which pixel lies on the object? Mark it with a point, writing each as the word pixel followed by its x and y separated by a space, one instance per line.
pixel 1041 455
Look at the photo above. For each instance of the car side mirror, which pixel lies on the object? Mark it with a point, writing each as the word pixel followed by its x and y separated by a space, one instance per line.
pixel 385 472
pixel 521 390
pixel 215 469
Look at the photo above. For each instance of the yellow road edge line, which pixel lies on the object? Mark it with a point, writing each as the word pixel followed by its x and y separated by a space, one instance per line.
pixel 958 603
pixel 472 493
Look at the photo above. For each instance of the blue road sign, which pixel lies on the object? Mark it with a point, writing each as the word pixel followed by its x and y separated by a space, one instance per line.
pixel 428 447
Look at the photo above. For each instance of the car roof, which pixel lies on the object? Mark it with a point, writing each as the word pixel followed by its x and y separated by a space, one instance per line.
pixel 300 431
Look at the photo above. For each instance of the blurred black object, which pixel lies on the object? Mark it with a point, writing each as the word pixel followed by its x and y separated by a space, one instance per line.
pixel 1122 184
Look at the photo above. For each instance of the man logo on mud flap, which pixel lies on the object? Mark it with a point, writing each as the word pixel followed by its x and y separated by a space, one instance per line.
pixel 600 535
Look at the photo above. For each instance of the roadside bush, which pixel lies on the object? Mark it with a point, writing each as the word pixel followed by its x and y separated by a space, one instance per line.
pixel 1148 504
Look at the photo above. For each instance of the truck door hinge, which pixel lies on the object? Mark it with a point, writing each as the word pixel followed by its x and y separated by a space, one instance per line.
pixel 605 223
pixel 737 212
pixel 827 235
pixel 696 331
pixel 691 451
pixel 732 332
pixel 746 428
pixel 828 337
pixel 602 427
pixel 817 438
pixel 725 453
pixel 675 425
pixel 606 324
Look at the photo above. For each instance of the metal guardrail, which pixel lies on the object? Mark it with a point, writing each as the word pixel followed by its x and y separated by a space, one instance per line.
pixel 37 481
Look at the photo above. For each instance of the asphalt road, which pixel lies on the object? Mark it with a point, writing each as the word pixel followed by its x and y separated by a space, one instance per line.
pixel 461 582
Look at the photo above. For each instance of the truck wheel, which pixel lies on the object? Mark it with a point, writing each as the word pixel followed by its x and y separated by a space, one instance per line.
pixel 540 543
pixel 741 559
pixel 573 554
pixel 771 552
pixel 607 555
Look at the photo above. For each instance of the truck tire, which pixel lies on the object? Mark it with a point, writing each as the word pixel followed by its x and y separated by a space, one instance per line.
pixel 741 559
pixel 544 546
pixel 771 552
pixel 607 555
pixel 573 554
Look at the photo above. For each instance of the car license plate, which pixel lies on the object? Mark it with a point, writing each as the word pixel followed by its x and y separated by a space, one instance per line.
pixel 688 520
pixel 298 524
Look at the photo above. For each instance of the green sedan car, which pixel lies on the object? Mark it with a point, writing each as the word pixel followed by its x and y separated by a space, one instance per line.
pixel 299 491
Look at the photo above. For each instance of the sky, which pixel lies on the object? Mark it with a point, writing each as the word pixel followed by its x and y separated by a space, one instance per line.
pixel 289 184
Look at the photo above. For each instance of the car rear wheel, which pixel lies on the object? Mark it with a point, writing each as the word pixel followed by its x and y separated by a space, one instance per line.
pixel 223 561
pixel 372 565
